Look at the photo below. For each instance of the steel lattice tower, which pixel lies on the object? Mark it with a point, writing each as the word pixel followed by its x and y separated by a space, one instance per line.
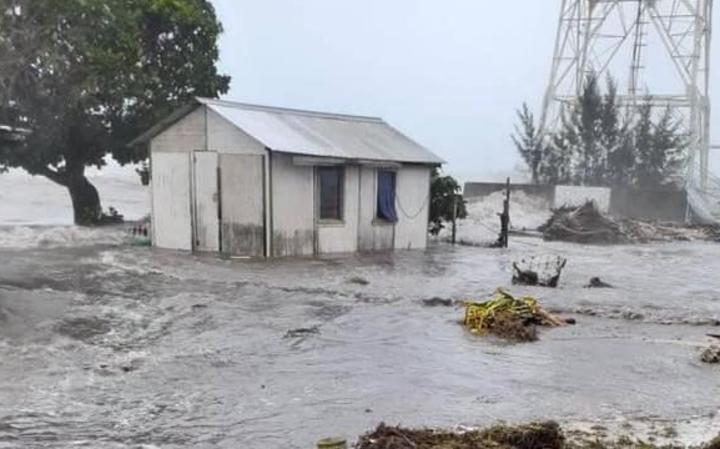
pixel 638 42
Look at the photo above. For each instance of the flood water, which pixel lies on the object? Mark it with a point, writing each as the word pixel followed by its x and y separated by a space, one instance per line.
pixel 106 345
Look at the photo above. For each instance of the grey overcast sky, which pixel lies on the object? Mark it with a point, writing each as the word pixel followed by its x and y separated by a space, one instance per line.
pixel 449 73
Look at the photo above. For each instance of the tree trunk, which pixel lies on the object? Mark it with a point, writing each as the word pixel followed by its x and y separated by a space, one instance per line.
pixel 85 200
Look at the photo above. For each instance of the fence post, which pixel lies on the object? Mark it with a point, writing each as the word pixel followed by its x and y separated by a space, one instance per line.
pixel 454 217
pixel 505 218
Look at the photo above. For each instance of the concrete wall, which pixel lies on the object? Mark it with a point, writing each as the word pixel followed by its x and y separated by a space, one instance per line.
pixel 480 189
pixel 342 237
pixel 293 207
pixel 662 205
pixel 413 207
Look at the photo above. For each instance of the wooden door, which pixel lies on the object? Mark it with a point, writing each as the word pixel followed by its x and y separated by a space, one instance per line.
pixel 206 201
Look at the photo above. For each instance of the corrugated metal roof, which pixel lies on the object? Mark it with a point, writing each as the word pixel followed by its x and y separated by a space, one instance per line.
pixel 321 134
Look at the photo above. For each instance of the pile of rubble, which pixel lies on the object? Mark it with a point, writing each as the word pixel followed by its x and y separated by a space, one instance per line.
pixel 586 224
pixel 543 435
pixel 532 436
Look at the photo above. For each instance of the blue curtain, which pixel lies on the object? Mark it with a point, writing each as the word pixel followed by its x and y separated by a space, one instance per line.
pixel 386 196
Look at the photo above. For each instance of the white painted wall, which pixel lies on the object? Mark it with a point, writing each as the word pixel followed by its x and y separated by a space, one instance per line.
pixel 343 238
pixel 412 204
pixel 205 201
pixel 292 207
pixel 578 195
pixel 205 129
pixel 171 219
pixel 243 204
pixel 187 135
pixel 373 235
pixel 224 137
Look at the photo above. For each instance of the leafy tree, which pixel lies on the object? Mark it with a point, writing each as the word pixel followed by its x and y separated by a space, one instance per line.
pixel 596 145
pixel 86 76
pixel 559 160
pixel 528 141
pixel 660 149
pixel 622 160
pixel 588 124
pixel 580 140
pixel 444 195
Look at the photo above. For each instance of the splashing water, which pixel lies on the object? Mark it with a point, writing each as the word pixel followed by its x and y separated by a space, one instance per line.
pixel 482 226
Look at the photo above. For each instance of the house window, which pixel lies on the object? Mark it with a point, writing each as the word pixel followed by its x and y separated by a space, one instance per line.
pixel 330 182
pixel 386 196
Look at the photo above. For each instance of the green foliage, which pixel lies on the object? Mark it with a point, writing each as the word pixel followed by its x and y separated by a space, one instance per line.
pixel 87 76
pixel 596 145
pixel 528 141
pixel 444 195
pixel 659 149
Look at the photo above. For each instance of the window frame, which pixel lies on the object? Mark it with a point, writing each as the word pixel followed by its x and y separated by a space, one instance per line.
pixel 380 221
pixel 341 191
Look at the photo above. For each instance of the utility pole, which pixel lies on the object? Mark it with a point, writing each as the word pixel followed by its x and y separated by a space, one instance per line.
pixel 454 217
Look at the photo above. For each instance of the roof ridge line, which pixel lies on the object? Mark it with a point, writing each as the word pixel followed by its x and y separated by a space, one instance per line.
pixel 258 107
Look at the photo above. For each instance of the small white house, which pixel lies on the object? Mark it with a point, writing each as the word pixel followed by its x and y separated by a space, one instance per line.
pixel 259 181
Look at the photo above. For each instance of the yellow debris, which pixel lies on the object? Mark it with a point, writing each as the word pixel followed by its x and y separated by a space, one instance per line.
pixel 480 317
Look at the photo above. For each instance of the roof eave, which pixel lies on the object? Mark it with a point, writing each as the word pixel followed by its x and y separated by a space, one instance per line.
pixel 355 160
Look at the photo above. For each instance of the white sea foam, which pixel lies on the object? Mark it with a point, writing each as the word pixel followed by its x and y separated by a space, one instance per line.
pixel 483 224
pixel 35 200
pixel 60 236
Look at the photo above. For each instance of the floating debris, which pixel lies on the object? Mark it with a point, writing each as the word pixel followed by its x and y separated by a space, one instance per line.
pixel 711 355
pixel 538 271
pixel 508 317
pixel 543 435
pixel 436 301
pixel 302 332
pixel 596 282
pixel 358 280
pixel 332 443
pixel 531 436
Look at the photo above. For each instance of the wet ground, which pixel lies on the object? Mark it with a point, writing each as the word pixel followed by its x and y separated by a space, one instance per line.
pixel 105 345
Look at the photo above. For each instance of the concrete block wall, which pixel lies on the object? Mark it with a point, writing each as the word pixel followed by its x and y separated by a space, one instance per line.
pixel 480 189
pixel 642 204
pixel 660 205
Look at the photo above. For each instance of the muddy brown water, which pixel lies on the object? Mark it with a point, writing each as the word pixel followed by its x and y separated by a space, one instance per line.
pixel 111 346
